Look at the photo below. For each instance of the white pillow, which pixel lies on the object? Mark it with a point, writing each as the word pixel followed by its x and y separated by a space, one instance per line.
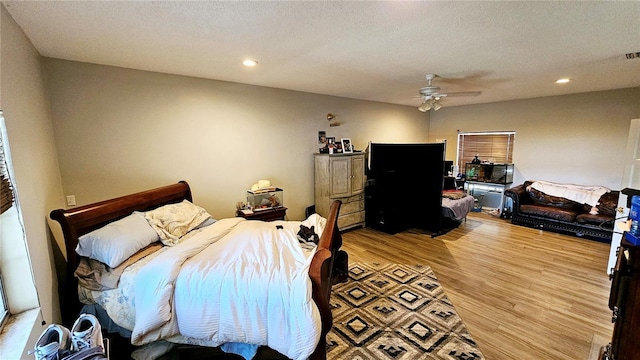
pixel 115 242
pixel 171 222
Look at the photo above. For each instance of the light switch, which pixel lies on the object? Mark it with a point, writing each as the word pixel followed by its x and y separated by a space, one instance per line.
pixel 71 200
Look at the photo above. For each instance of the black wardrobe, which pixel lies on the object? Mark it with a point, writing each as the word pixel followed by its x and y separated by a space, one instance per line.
pixel 404 186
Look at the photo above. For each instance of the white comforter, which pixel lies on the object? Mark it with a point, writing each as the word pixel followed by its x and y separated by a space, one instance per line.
pixel 234 281
pixel 589 195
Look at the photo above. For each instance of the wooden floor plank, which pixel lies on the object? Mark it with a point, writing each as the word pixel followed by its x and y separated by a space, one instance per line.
pixel 523 293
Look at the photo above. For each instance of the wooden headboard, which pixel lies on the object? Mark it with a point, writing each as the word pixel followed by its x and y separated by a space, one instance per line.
pixel 78 221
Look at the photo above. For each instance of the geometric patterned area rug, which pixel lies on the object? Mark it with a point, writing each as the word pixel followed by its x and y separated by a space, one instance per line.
pixel 398 312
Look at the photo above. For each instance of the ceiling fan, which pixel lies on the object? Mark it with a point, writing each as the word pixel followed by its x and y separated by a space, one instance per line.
pixel 431 95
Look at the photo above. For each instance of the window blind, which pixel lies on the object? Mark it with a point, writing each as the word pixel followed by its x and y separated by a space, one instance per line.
pixel 6 190
pixel 496 147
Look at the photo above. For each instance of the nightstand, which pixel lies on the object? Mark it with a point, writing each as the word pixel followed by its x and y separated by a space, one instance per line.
pixel 265 215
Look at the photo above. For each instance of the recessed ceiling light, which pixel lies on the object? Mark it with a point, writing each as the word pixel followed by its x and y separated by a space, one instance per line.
pixel 250 62
pixel 563 81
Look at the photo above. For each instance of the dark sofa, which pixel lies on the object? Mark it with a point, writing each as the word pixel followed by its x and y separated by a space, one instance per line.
pixel 536 209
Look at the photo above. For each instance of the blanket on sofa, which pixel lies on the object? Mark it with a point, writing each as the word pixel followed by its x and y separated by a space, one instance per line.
pixel 579 193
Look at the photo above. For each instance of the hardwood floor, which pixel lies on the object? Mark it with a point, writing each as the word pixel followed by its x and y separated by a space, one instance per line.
pixel 522 293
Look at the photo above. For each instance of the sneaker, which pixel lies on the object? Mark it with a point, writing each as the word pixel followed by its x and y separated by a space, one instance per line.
pixel 94 353
pixel 53 343
pixel 86 333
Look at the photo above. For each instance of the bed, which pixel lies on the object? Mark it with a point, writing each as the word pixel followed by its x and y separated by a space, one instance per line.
pixel 456 204
pixel 218 254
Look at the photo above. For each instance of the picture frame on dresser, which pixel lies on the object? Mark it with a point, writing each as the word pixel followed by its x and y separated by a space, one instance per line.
pixel 331 145
pixel 322 138
pixel 346 145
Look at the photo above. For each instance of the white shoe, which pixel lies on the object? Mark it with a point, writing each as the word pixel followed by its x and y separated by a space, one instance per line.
pixel 94 353
pixel 54 340
pixel 86 333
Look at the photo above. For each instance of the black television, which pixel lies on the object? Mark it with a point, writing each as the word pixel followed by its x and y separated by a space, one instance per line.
pixel 386 157
pixel 406 181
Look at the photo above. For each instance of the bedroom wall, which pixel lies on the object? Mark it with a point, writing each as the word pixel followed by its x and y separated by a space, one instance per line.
pixel 36 176
pixel 120 130
pixel 576 138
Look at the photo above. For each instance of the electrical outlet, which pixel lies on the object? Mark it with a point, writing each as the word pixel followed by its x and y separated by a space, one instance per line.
pixel 71 200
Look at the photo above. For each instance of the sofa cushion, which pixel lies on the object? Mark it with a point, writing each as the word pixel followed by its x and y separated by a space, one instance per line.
pixel 597 219
pixel 550 212
pixel 540 198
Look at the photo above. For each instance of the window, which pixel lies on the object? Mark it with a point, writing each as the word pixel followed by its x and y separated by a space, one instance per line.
pixel 6 202
pixel 495 147
pixel 4 309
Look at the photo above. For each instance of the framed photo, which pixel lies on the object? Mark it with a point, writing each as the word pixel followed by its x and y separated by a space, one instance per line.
pixel 346 145
pixel 322 138
pixel 331 144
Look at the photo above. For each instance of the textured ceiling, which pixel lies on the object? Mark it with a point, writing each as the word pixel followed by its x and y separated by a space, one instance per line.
pixel 379 51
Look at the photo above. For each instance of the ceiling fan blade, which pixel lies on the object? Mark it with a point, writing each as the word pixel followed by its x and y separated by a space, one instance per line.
pixel 431 95
pixel 463 93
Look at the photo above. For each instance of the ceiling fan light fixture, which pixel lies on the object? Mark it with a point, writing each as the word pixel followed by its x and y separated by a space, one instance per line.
pixel 430 104
pixel 426 106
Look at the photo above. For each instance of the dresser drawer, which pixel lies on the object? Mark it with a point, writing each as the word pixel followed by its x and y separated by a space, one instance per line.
pixel 350 220
pixel 351 207
pixel 359 197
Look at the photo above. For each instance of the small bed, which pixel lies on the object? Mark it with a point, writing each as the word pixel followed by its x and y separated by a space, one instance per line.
pixel 205 283
pixel 456 205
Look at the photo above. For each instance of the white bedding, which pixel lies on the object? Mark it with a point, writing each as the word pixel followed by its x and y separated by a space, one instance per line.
pixel 233 281
pixel 589 195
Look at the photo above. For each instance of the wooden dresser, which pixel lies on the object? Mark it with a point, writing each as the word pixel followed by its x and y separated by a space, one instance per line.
pixel 624 302
pixel 341 177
